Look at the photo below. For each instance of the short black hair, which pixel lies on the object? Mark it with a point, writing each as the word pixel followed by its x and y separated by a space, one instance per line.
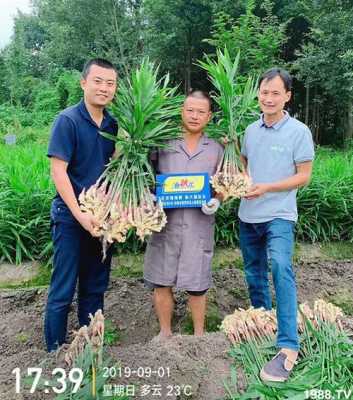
pixel 200 94
pixel 282 73
pixel 101 62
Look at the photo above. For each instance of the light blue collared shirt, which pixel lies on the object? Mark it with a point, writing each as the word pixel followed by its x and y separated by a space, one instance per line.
pixel 272 154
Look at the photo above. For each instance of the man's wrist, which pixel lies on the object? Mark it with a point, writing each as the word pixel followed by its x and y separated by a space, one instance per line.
pixel 77 213
pixel 269 187
pixel 278 187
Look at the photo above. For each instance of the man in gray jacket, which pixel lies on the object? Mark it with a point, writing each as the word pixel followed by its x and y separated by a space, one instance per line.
pixel 180 256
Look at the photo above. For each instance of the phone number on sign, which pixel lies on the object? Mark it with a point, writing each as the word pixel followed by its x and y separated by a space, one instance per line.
pixel 140 372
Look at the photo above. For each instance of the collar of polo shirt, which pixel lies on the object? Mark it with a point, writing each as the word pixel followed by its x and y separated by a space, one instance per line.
pixel 86 115
pixel 276 125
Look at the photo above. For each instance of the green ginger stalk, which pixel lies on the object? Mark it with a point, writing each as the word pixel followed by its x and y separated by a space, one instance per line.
pixel 237 106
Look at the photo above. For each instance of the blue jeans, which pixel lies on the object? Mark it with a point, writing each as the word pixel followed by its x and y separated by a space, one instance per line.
pixel 77 258
pixel 272 242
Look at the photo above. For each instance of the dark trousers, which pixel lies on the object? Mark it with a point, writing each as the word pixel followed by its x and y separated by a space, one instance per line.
pixel 77 258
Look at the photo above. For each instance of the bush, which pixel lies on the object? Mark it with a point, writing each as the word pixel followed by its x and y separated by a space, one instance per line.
pixel 46 104
pixel 326 205
pixel 40 103
pixel 68 88
pixel 13 118
pixel 24 203
pixel 29 135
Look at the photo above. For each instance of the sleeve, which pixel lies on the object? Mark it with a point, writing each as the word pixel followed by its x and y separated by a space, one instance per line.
pixel 62 141
pixel 304 147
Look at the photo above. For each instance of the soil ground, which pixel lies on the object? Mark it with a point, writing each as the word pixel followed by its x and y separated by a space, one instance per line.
pixel 197 365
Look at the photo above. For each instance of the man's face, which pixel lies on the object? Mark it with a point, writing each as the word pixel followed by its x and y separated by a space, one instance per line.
pixel 195 114
pixel 273 96
pixel 99 86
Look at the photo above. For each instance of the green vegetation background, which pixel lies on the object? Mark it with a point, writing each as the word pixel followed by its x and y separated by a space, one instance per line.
pixel 39 76
pixel 325 206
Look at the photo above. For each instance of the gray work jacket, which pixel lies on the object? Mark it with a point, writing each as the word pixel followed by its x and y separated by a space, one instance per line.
pixel 181 254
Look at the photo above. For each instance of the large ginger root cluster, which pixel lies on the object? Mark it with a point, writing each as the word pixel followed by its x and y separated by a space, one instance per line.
pixel 322 312
pixel 248 324
pixel 253 323
pixel 230 182
pixel 148 218
pixel 93 200
pixel 115 220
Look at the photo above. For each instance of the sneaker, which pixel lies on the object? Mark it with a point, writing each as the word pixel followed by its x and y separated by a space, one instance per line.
pixel 278 369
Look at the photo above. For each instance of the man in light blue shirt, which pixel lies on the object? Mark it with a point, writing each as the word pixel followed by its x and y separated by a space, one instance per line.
pixel 277 152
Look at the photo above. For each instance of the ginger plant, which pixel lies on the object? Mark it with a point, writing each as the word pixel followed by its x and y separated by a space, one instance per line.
pixel 235 100
pixel 121 199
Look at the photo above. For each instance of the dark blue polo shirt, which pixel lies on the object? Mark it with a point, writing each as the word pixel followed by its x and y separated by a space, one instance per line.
pixel 75 138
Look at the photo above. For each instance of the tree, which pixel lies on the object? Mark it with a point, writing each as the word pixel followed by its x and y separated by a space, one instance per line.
pixel 259 40
pixel 326 61
pixel 3 79
pixel 79 29
pixel 174 36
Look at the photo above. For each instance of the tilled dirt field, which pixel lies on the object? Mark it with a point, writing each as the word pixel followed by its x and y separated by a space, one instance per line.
pixel 189 364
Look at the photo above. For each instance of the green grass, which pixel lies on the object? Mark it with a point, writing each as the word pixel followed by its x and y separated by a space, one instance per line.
pixel 344 300
pixel 28 136
pixel 325 207
pixel 22 337
pixel 338 250
pixel 128 265
pixel 227 257
pixel 326 251
pixel 24 203
pixel 112 335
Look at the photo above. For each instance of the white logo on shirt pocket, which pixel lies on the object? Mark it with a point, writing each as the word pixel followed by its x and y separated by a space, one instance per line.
pixel 278 149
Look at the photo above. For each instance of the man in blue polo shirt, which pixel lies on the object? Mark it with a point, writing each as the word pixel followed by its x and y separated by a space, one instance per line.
pixel 278 152
pixel 78 155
